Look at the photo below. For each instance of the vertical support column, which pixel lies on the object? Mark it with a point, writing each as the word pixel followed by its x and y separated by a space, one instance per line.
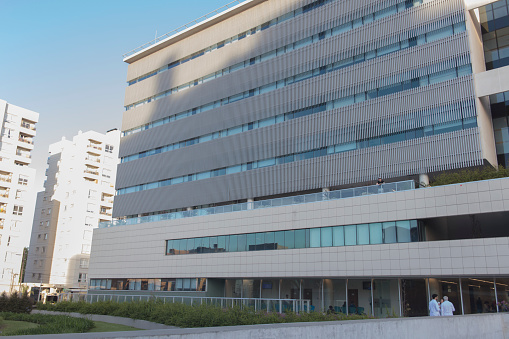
pixel 399 298
pixel 429 295
pixel 461 298
pixel 423 180
pixel 372 298
pixel 496 296
pixel 346 294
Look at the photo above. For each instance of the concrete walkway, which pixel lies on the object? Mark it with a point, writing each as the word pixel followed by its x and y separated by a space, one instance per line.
pixel 484 326
pixel 141 324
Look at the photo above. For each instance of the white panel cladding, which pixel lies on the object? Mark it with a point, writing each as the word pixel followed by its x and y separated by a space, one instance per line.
pixel 137 251
pixel 435 153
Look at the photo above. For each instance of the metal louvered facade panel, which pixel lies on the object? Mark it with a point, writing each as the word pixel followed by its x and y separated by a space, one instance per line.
pixel 433 104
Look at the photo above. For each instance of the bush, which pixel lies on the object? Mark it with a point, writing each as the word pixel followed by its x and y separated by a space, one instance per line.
pixel 48 324
pixel 15 303
pixel 181 315
pixel 467 175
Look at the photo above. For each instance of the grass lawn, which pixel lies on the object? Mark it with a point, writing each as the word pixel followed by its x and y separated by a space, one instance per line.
pixel 107 327
pixel 11 325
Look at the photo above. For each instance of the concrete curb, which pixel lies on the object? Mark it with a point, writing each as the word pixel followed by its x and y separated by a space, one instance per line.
pixel 141 324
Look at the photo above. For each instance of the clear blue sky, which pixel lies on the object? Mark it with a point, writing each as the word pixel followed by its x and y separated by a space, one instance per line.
pixel 63 59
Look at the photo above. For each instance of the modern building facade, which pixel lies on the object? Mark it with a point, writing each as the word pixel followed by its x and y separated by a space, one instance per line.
pixel 17 190
pixel 251 142
pixel 78 194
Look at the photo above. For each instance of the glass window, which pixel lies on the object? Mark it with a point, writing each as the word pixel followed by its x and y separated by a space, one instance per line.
pixel 375 233
pixel 338 236
pixel 221 243
pixel 260 241
pixel 279 240
pixel 326 237
pixel 350 235
pixel 403 230
pixel 241 242
pixel 363 234
pixel 289 239
pixel 269 241
pixel 314 240
pixel 251 242
pixel 233 243
pixel 389 232
pixel 300 238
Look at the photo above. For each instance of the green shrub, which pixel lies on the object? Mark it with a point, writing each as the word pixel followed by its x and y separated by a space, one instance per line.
pixel 15 303
pixel 48 324
pixel 467 175
pixel 181 315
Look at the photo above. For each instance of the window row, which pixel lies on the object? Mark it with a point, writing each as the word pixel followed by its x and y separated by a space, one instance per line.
pixel 363 234
pixel 314 153
pixel 186 284
pixel 402 44
pixel 272 120
pixel 287 16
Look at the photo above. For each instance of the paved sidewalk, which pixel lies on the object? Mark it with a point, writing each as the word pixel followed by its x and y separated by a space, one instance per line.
pixel 142 324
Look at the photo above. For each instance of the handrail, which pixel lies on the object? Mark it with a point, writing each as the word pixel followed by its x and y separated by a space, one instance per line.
pixel 286 201
pixel 183 27
pixel 295 305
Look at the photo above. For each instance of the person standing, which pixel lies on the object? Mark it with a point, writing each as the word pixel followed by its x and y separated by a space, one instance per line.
pixel 447 308
pixel 434 309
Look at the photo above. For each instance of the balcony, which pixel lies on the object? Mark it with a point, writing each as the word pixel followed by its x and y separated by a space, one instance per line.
pixel 2 221
pixel 4 193
pixel 105 212
pixel 5 178
pixel 91 172
pixel 3 208
pixel 108 200
pixel 23 154
pixel 27 125
pixel 92 159
pixel 94 147
pixel 286 201
pixel 26 140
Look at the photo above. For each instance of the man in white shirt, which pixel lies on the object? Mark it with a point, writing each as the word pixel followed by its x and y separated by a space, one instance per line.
pixel 447 307
pixel 434 309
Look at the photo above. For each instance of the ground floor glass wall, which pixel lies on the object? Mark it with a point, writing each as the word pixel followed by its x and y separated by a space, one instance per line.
pixel 378 297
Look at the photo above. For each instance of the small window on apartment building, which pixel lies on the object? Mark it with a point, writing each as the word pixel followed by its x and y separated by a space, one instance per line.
pixel 109 148
pixel 47 223
pixel 19 194
pixel 83 263
pixel 37 249
pixel 87 235
pixel 49 211
pixel 41 262
pixel 41 223
pixel 39 276
pixel 45 236
pixel 39 236
pixel 85 249
pixel 82 277
pixel 43 249
pixel 42 211
pixel 18 210
pixel 92 194
pixel 90 208
pixel 23 180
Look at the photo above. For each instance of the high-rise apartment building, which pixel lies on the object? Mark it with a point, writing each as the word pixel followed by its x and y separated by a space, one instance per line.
pixel 251 143
pixel 17 190
pixel 78 194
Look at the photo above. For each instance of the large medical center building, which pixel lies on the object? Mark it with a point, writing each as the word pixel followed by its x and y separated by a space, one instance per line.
pixel 252 141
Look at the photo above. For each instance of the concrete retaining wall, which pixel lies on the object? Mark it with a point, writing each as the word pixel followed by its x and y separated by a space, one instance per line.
pixel 484 326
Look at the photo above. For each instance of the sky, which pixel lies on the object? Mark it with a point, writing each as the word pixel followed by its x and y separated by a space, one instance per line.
pixel 63 59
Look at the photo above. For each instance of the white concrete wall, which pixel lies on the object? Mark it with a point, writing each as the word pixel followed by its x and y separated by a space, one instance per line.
pixel 138 251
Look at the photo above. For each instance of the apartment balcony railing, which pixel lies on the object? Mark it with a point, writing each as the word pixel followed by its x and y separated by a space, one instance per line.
pixel 26 155
pixel 4 194
pixel 105 213
pixel 93 159
pixel 5 178
pixel 26 140
pixel 28 126
pixel 286 201
pixel 3 209
pixel 91 172
pixel 95 147
pixel 108 200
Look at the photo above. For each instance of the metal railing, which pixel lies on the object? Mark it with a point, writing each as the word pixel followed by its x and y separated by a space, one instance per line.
pixel 286 201
pixel 91 172
pixel 184 27
pixel 258 304
pixel 28 126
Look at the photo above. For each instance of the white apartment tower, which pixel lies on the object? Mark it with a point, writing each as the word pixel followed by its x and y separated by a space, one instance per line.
pixel 17 191
pixel 78 194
